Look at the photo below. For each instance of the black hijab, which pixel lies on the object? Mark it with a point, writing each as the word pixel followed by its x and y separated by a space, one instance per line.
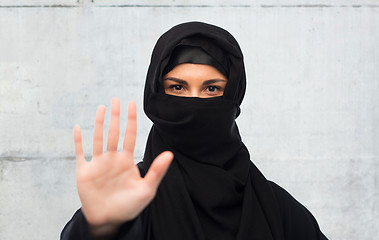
pixel 211 190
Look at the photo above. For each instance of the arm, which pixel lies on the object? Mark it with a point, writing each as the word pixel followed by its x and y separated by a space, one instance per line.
pixel 77 228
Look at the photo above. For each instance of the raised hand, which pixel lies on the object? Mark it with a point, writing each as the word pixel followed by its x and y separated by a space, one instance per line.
pixel 110 186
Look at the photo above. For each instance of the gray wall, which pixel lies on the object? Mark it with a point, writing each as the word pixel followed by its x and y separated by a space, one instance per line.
pixel 310 117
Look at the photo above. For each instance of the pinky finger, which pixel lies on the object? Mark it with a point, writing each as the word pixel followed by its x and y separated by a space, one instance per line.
pixel 78 146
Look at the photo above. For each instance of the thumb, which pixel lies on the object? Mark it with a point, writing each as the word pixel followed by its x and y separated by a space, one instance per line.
pixel 158 169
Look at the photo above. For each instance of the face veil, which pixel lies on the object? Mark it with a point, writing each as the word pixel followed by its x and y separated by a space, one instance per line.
pixel 211 190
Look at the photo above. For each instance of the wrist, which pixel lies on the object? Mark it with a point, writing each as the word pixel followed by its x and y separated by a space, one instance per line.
pixel 103 232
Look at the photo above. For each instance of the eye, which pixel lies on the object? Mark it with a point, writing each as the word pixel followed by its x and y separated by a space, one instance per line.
pixel 213 89
pixel 176 87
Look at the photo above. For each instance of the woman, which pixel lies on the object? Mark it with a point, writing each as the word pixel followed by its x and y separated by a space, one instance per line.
pixel 208 187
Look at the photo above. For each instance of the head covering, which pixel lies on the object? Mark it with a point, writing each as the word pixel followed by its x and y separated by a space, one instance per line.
pixel 196 55
pixel 211 190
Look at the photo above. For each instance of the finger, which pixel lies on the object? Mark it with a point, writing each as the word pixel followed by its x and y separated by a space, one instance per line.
pixel 158 169
pixel 98 133
pixel 131 128
pixel 78 146
pixel 114 126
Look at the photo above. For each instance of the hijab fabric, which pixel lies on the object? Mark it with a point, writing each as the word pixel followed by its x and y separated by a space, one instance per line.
pixel 211 190
pixel 196 55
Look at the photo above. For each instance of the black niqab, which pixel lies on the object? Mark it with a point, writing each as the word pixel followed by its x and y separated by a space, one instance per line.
pixel 211 190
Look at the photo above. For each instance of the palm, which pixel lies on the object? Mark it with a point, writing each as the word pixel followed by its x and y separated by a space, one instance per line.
pixel 110 186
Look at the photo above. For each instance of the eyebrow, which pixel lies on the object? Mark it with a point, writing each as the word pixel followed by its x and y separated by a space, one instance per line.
pixel 177 80
pixel 207 82
pixel 211 81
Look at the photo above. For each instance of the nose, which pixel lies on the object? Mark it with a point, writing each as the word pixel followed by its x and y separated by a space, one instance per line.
pixel 195 93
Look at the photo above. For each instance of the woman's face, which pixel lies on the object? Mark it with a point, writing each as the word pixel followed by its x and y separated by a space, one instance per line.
pixel 194 80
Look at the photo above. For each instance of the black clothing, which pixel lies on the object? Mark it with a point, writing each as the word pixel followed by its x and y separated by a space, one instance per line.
pixel 207 191
pixel 211 190
pixel 298 222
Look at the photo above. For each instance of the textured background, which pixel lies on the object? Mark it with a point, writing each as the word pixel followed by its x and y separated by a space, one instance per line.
pixel 310 117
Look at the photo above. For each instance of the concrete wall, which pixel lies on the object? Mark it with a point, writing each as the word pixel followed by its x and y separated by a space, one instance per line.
pixel 310 117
